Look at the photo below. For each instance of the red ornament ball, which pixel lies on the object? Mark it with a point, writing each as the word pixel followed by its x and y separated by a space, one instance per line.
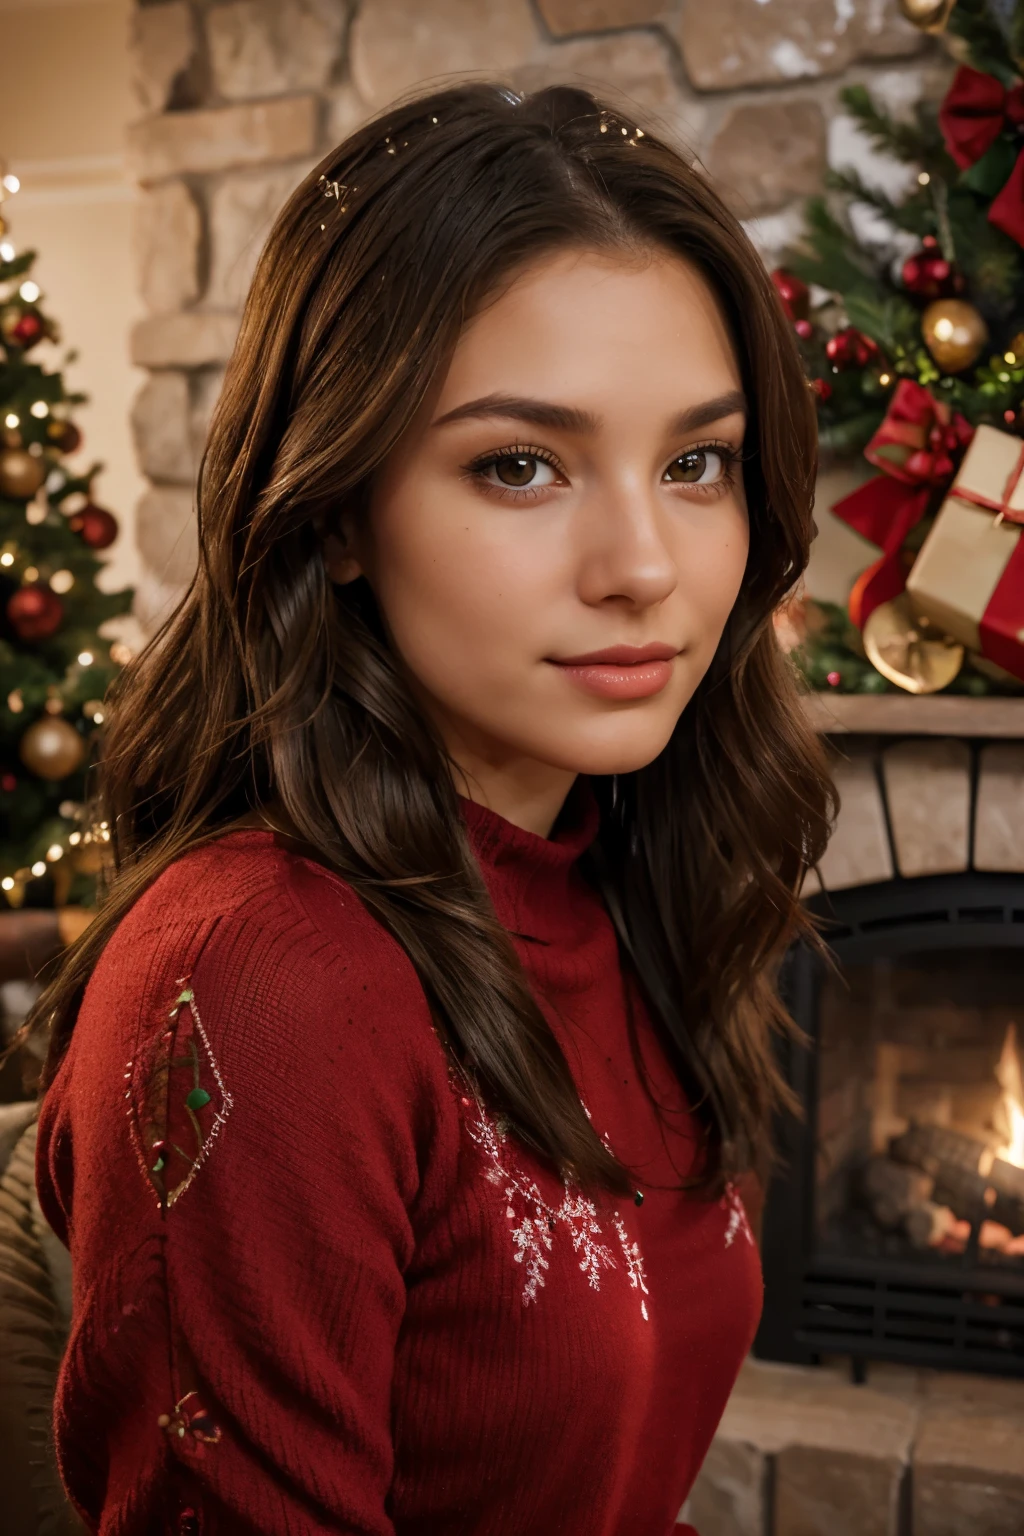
pixel 8 783
pixel 96 525
pixel 795 295
pixel 850 348
pixel 834 679
pixel 34 612
pixel 64 436
pixel 27 331
pixel 804 329
pixel 928 275
pixel 822 388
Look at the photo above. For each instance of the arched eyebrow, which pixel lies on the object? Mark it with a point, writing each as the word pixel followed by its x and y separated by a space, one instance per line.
pixel 568 418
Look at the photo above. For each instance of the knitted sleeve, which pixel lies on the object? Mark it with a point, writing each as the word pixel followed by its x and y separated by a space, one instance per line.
pixel 243 1177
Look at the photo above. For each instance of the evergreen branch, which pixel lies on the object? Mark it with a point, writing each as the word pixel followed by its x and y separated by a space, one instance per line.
pixel 987 46
pixel 851 184
pixel 909 142
pixel 890 320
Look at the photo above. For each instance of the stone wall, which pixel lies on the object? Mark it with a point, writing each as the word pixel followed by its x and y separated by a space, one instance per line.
pixel 240 98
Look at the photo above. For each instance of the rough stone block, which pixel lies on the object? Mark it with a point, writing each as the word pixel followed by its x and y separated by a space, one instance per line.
pixel 242 210
pixel 168 230
pixel 396 45
pixel 162 43
pixel 999 807
pixel 165 533
pixel 859 852
pixel 222 138
pixel 564 17
pixel 743 42
pixel 264 47
pixel 346 111
pixel 969 1459
pixel 631 71
pixel 161 427
pixel 154 601
pixel 928 788
pixel 768 153
pixel 828 1491
pixel 206 387
pixel 730 1495
pixel 190 340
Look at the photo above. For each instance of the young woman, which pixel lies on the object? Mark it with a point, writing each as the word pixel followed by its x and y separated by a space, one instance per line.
pixel 399 1091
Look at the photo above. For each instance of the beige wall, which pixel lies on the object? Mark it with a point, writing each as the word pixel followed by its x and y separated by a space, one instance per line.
pixel 65 100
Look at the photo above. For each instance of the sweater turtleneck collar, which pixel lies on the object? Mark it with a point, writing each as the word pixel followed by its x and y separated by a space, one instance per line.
pixel 534 881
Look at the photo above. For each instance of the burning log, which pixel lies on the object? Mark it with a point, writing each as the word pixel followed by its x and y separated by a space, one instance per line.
pixel 954 1161
pixel 893 1190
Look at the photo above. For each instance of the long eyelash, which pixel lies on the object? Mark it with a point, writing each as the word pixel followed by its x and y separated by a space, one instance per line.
pixel 544 455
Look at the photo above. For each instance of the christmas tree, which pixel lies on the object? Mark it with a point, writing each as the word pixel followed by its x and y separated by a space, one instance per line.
pixel 913 342
pixel 54 664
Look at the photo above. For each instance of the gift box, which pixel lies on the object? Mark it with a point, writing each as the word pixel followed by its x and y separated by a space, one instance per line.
pixel 968 578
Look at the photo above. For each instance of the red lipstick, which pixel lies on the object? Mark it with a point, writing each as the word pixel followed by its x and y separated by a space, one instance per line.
pixel 621 671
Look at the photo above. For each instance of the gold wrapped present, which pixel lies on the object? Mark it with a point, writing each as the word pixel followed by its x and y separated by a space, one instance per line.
pixel 968 579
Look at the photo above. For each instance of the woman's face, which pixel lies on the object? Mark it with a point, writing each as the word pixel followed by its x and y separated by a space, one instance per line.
pixel 556 543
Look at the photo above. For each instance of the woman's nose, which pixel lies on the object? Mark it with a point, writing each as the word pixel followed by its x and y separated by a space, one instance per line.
pixel 624 552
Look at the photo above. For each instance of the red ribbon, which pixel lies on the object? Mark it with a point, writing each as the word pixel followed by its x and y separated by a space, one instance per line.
pixel 1002 626
pixel 1002 507
pixel 976 110
pixel 914 447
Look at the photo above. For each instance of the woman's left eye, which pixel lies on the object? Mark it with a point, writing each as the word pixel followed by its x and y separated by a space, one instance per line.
pixel 698 466
pixel 516 471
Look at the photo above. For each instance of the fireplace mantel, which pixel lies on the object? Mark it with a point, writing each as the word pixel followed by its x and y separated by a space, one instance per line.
pixel 904 714
pixel 928 786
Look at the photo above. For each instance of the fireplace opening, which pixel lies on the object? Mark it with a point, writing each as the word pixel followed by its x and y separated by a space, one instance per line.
pixel 920 1122
pixel 895 1226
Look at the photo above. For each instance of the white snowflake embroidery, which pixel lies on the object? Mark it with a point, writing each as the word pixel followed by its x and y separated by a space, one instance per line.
pixel 532 1226
pixel 634 1262
pixel 738 1222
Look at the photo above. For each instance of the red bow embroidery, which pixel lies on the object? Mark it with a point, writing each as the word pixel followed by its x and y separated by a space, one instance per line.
pixel 916 447
pixel 975 112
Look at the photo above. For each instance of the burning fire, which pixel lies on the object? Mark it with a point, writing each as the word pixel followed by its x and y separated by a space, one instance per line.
pixel 1011 1081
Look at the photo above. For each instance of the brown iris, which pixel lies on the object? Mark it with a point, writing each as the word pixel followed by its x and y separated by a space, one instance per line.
pixel 515 469
pixel 689 466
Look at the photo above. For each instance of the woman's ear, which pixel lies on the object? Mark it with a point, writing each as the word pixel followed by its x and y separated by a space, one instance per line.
pixel 340 561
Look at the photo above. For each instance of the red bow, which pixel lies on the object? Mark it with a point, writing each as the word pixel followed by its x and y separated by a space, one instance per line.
pixel 916 448
pixel 975 112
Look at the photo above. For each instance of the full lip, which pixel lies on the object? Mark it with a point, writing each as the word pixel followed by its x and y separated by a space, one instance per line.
pixel 619 656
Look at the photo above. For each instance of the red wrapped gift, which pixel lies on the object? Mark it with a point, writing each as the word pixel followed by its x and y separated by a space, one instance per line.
pixel 916 447
pixel 969 576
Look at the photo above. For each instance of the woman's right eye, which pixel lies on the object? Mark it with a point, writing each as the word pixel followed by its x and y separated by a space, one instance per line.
pixel 517 471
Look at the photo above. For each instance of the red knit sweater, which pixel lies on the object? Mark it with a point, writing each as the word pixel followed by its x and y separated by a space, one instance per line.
pixel 316 1289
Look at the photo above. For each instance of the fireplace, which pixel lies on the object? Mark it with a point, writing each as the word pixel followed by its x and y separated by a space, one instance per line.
pixel 894 1228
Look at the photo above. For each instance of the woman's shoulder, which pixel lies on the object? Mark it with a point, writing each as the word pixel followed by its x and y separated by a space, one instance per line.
pixel 265 935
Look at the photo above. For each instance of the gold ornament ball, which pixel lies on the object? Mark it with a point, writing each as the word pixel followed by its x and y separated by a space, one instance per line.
pixel 927 15
pixel 954 334
pixel 21 474
pixel 908 651
pixel 51 748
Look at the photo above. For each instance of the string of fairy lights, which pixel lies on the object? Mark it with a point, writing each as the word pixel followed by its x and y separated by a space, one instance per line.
pixel 79 846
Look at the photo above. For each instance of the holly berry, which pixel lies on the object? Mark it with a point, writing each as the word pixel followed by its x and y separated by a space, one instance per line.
pixel 850 348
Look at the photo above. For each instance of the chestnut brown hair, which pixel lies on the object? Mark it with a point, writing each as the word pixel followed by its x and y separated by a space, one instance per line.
pixel 269 686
